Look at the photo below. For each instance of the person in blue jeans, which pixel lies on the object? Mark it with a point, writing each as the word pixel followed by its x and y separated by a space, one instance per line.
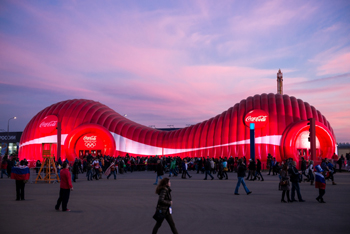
pixel 89 171
pixel 160 171
pixel 241 168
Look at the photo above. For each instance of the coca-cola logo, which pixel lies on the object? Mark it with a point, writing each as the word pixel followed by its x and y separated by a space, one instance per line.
pixel 258 117
pixel 48 124
pixel 90 141
pixel 91 138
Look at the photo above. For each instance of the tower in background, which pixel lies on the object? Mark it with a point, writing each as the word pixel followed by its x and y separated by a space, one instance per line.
pixel 280 82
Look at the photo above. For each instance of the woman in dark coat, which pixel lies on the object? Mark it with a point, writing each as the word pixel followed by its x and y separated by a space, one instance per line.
pixel 284 183
pixel 164 205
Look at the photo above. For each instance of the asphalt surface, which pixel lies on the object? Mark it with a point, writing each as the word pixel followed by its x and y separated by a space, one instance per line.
pixel 126 205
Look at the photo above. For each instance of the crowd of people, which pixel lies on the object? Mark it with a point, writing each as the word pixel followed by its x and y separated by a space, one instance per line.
pixel 94 168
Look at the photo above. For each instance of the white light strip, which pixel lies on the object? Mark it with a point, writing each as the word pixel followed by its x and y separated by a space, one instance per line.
pixel 47 139
pixel 124 144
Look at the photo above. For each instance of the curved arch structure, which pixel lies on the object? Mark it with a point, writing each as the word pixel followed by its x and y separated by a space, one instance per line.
pixel 221 136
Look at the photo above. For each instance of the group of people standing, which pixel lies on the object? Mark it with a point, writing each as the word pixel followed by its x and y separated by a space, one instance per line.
pixel 290 174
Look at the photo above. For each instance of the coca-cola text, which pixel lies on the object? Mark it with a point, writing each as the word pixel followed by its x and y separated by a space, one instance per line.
pixel 48 124
pixel 91 138
pixel 261 118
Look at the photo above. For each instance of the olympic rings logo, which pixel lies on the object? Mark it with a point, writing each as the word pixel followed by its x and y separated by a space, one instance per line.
pixel 90 144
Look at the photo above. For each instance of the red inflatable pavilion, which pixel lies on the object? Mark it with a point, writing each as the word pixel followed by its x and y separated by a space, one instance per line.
pixel 91 127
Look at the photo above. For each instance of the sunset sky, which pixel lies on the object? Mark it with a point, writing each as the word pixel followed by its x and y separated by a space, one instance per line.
pixel 173 62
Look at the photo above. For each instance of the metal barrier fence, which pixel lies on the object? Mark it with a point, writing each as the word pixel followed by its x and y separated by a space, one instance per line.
pixel 34 175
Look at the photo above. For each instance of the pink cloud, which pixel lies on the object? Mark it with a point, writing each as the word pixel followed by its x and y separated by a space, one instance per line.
pixel 337 65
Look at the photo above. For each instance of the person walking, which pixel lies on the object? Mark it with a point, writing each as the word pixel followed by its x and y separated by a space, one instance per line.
pixel 220 169
pixel 172 168
pixel 241 168
pixel 310 173
pixel 184 170
pixel 327 166
pixel 294 178
pixel 65 188
pixel 21 174
pixel 284 183
pixel 258 171
pixel 272 165
pixel 159 170
pixel 111 170
pixel 207 168
pixel 225 169
pixel 164 205
pixel 320 184
pixel 96 166
pixel 251 167
pixel 89 171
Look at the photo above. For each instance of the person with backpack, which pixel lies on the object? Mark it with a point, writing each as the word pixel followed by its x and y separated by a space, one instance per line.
pixel 295 177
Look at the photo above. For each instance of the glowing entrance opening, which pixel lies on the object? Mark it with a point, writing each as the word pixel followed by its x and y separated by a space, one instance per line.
pixel 89 139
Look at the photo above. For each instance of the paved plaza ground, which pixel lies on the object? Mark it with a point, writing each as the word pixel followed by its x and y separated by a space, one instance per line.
pixel 126 205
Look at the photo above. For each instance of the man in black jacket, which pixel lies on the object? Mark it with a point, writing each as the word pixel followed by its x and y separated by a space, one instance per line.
pixel 294 178
pixel 241 168
pixel 159 170
pixel 207 168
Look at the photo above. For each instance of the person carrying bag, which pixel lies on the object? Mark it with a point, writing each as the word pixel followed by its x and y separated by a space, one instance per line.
pixel 164 210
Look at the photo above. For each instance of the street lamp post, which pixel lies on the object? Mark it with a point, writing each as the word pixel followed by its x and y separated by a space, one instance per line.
pixel 8 130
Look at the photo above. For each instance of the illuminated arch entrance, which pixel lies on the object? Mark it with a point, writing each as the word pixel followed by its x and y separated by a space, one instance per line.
pixel 89 138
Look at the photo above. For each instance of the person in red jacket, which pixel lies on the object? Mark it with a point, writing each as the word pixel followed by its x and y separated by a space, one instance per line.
pixel 65 188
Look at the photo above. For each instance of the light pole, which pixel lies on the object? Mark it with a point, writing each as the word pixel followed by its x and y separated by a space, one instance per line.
pixel 8 138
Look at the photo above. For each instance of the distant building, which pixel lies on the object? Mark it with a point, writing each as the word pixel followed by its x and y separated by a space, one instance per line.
pixel 343 149
pixel 280 82
pixel 9 142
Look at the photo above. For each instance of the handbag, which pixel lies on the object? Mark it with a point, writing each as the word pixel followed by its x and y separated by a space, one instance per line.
pixel 283 182
pixel 158 216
